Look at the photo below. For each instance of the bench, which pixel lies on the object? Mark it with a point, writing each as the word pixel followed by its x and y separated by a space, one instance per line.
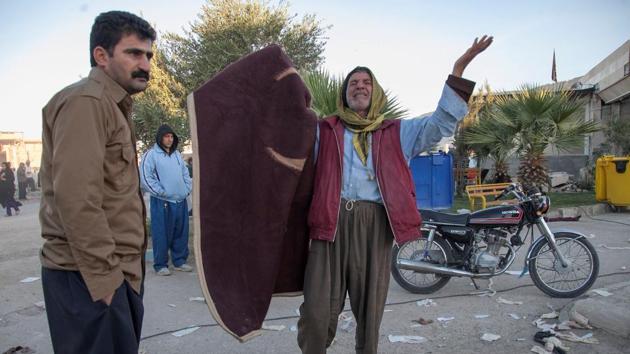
pixel 481 191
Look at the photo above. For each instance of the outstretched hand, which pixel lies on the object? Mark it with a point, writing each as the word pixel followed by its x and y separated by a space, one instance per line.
pixel 478 46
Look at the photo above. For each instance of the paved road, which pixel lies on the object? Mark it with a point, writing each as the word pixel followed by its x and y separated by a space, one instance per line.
pixel 167 305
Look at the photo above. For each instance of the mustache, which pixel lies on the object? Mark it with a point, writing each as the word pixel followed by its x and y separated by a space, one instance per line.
pixel 140 74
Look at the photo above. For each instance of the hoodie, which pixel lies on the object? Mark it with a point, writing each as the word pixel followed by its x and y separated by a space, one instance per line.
pixel 164 174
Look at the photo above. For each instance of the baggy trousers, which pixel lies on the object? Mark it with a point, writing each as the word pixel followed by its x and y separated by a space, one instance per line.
pixel 356 263
pixel 79 325
pixel 169 231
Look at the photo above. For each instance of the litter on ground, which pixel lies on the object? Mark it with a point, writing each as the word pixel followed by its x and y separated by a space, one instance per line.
pixel 539 350
pixel 572 337
pixel 406 339
pixel 490 337
pixel 445 319
pixel 29 280
pixel 549 315
pixel 509 302
pixel 601 292
pixel 198 298
pixel 273 327
pixel 423 321
pixel 481 316
pixel 426 303
pixel 185 331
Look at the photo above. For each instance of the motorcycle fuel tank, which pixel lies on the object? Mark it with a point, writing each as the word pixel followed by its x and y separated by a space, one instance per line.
pixel 499 215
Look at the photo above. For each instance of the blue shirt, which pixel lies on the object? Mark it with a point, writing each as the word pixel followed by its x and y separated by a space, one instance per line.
pixel 416 135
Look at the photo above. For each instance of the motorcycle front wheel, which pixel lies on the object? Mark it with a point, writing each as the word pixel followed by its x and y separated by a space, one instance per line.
pixel 555 280
pixel 416 282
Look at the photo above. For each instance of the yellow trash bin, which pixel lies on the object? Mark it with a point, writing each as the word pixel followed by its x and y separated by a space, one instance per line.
pixel 617 186
pixel 600 178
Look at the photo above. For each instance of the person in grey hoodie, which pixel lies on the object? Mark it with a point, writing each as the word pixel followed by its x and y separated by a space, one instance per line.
pixel 164 174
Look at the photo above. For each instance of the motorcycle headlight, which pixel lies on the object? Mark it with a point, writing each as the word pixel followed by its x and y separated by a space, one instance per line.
pixel 542 205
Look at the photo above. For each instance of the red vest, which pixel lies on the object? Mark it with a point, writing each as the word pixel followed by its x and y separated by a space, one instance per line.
pixel 392 175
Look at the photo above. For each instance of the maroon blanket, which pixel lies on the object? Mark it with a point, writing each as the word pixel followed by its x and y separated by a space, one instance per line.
pixel 252 137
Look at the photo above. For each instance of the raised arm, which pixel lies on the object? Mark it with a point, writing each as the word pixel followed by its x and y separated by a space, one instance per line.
pixel 478 46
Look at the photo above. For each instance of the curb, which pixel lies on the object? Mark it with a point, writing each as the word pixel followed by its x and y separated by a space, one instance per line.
pixel 572 212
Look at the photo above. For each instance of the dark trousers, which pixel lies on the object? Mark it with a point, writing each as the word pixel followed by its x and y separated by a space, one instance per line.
pixel 31 184
pixel 80 325
pixel 22 190
pixel 169 231
pixel 357 264
pixel 11 203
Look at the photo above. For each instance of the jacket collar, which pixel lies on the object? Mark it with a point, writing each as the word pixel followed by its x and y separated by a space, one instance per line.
pixel 119 94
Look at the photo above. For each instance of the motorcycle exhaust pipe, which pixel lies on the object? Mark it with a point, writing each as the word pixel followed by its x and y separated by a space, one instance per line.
pixel 424 267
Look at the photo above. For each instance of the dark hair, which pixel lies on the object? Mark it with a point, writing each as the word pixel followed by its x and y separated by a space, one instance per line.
pixel 344 87
pixel 109 27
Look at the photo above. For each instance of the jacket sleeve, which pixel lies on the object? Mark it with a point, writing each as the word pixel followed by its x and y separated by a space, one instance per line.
pixel 148 175
pixel 79 140
pixel 422 133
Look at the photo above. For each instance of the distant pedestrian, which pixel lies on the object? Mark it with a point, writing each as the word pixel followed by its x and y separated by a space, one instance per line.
pixel 22 182
pixel 7 190
pixel 164 174
pixel 189 162
pixel 30 176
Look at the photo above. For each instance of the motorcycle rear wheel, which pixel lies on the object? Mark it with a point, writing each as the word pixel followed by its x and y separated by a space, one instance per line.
pixel 417 282
pixel 548 274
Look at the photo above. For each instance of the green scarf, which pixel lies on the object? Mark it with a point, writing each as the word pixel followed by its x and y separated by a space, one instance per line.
pixel 363 126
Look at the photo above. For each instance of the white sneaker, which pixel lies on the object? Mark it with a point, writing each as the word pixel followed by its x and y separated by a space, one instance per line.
pixel 163 271
pixel 184 268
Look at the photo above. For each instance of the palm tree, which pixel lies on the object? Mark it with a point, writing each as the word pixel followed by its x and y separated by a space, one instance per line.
pixel 325 87
pixel 489 137
pixel 478 104
pixel 535 118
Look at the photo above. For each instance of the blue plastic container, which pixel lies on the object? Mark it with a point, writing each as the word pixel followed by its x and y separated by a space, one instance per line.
pixel 433 177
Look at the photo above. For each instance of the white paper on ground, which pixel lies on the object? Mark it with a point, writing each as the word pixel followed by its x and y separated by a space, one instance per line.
pixel 426 303
pixel 481 316
pixel 601 292
pixel 406 339
pixel 549 315
pixel 198 298
pixel 541 324
pixel 273 327
pixel 184 332
pixel 490 337
pixel 29 280
pixel 539 350
pixel 445 319
pixel 509 302
pixel 572 337
pixel 515 316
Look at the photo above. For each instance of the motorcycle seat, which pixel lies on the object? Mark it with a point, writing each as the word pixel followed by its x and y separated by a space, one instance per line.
pixel 437 217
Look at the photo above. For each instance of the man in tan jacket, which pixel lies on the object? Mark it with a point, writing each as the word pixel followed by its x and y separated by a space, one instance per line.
pixel 92 212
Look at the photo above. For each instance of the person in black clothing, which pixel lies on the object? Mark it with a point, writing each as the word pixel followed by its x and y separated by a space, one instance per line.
pixel 7 189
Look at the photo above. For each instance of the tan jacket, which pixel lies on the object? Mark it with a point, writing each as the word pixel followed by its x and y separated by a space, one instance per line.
pixel 92 212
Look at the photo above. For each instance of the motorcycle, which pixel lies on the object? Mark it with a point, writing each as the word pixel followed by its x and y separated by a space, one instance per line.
pixel 484 244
